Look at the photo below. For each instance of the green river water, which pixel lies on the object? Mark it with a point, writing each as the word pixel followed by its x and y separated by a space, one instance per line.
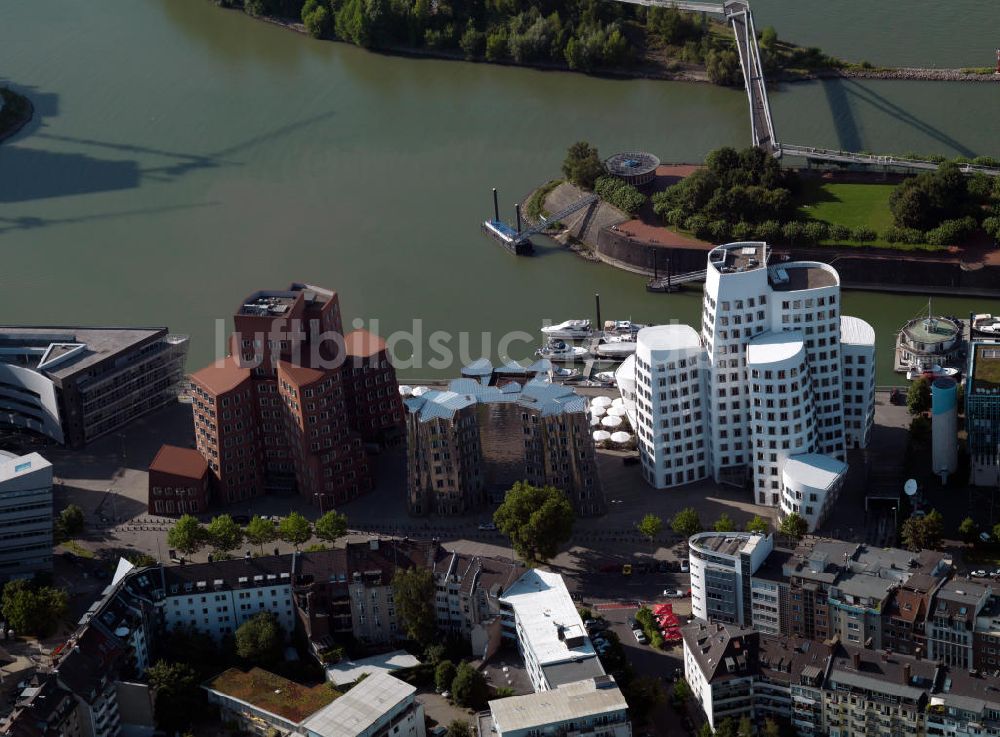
pixel 184 155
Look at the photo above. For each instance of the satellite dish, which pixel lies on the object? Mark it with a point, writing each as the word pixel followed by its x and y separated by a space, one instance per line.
pixel 910 487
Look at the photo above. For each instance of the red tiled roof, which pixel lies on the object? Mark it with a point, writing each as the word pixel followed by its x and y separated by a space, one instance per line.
pixel 178 461
pixel 219 378
pixel 363 343
pixel 300 375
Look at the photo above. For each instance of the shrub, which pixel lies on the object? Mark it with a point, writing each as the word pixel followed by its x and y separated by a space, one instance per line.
pixel 839 233
pixel 951 232
pixel 619 193
pixel 769 230
pixel 896 234
pixel 864 234
pixel 815 231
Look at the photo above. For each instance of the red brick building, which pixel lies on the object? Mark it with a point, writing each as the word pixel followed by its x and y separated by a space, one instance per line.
pixel 178 481
pixel 291 408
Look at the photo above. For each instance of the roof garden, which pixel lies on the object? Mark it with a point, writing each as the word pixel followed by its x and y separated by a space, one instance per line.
pixel 272 693
pixel 986 367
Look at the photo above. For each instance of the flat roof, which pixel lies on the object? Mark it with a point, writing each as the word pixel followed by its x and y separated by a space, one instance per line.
pixel 933 329
pixel 360 708
pixel 351 670
pixel 270 692
pixel 855 331
pixel 15 466
pixel 739 257
pixel 543 604
pixel 669 338
pixel 727 543
pixel 587 698
pixel 986 366
pixel 775 347
pixel 803 275
pixel 815 470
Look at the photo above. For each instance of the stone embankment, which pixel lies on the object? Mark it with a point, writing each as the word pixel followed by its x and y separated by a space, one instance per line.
pixel 927 75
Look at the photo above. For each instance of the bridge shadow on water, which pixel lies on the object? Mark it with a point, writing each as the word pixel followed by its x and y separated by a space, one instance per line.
pixel 844 96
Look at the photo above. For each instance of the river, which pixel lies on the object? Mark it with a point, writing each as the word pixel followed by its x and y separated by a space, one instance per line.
pixel 184 155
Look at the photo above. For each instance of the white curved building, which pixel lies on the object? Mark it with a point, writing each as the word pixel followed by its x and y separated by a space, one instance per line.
pixel 810 484
pixel 782 374
pixel 857 340
pixel 784 422
pixel 664 385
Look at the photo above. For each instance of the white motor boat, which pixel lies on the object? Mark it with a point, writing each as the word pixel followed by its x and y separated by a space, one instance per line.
pixel 563 373
pixel 618 346
pixel 622 327
pixel 568 330
pixel 606 377
pixel 986 324
pixel 929 371
pixel 559 350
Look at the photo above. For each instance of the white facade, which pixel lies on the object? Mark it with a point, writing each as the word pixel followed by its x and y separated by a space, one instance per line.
pixel 667 404
pixel 722 564
pixel 594 707
pixel 784 421
pixel 216 609
pixel 810 484
pixel 857 340
pixel 25 515
pixel 550 633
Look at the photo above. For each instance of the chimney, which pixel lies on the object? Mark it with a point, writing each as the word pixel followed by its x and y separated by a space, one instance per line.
pixel 907 672
pixel 856 660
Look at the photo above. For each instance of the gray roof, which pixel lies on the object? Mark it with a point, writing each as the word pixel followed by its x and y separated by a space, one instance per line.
pixel 559 674
pixel 876 684
pixel 568 703
pixel 546 398
pixel 360 708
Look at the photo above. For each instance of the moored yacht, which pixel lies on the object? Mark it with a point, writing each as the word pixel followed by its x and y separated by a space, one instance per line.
pixel 559 350
pixel 568 330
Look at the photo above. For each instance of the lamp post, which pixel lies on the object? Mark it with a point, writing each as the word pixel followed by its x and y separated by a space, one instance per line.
pixel 320 497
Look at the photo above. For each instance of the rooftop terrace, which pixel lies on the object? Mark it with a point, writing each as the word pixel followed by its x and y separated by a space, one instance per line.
pixel 272 693
pixel 986 367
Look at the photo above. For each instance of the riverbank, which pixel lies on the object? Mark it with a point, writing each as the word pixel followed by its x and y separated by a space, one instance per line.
pixel 659 67
pixel 16 112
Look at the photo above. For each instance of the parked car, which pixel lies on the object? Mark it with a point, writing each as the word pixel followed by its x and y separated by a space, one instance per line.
pixel 640 636
pixel 674 593
pixel 984 537
pixel 487 526
pixel 685 567
pixel 978 574
pixel 632 624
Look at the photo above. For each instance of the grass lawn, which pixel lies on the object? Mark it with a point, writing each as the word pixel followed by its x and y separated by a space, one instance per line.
pixel 76 549
pixel 853 205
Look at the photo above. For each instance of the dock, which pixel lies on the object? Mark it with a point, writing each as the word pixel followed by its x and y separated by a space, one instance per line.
pixel 517 239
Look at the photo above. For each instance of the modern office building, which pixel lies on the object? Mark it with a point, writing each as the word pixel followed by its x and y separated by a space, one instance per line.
pixel 74 384
pixel 722 565
pixel 290 409
pixel 766 378
pixel 982 413
pixel 25 515
pixel 471 442
pixel 544 621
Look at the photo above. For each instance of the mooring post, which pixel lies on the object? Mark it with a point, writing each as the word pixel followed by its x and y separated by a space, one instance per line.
pixel 597 305
pixel 517 213
pixel 496 207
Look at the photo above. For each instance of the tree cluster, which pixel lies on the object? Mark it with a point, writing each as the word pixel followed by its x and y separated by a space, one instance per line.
pixel 737 193
pixel 538 521
pixel 32 609
pixel 929 199
pixel 413 594
pixel 224 535
pixel 923 533
pixel 619 193
pixel 582 165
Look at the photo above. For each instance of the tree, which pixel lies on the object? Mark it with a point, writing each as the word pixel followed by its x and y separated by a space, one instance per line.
pixel 996 530
pixel 771 728
pixel 643 693
pixel 459 728
pixel 746 727
pixel 295 529
pixel 968 529
pixel 178 694
pixel 723 67
pixel 331 526
pixel 444 674
pixel 260 532
pixel 583 165
pixel 918 396
pixel 223 534
pixel 537 519
pixel 316 18
pixel 724 524
pixel 727 728
pixel 758 524
pixel 139 559
pixel 923 533
pixel 70 522
pixel 259 640
pixel 650 526
pixel 794 526
pixel 686 522
pixel 706 730
pixel 681 691
pixel 469 688
pixel 413 593
pixel 187 535
pixel 33 610
pixel 991 226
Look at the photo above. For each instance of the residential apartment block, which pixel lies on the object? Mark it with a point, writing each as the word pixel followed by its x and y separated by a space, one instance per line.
pixel 74 384
pixel 471 442
pixel 831 688
pixel 765 383
pixel 25 515
pixel 289 410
